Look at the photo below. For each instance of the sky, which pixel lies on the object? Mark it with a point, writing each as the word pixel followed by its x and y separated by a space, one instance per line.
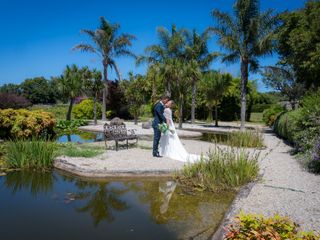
pixel 37 36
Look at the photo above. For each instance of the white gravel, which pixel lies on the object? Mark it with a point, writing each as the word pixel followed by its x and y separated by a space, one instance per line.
pixel 284 188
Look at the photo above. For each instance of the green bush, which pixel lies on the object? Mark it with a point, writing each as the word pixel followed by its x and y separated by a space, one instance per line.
pixel 224 169
pixel 146 110
pixel 34 154
pixel 23 123
pixel 287 125
pixel 270 114
pixel 253 226
pixel 84 110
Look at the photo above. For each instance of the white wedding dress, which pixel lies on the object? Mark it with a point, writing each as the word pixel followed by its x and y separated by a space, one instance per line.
pixel 170 144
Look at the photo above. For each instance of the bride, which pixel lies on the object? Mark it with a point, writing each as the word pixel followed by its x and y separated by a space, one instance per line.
pixel 170 144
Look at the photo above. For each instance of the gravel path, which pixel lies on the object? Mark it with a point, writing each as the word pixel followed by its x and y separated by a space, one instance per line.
pixel 285 188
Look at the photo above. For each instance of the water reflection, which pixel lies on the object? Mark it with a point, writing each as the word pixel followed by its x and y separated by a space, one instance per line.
pixel 119 209
pixel 167 189
pixel 34 182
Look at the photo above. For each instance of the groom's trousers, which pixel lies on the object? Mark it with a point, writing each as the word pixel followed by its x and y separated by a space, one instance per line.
pixel 156 139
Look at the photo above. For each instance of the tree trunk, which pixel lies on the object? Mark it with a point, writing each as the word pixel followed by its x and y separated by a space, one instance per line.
pixel 210 114
pixel 95 109
pixel 68 117
pixel 244 82
pixel 216 115
pixel 168 89
pixel 293 104
pixel 193 103
pixel 136 119
pixel 105 92
pixel 180 113
pixel 154 90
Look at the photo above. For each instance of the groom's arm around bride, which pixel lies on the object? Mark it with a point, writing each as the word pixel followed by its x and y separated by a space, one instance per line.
pixel 159 118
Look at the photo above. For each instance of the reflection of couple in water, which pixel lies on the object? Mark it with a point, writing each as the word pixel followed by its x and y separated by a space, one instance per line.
pixel 166 188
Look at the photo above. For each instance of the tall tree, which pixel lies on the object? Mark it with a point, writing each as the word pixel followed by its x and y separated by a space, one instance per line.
pixel 70 84
pixel 108 44
pixel 199 58
pixel 93 87
pixel 247 36
pixel 284 79
pixel 170 47
pixel 299 43
pixel 214 85
pixel 38 90
pixel 135 91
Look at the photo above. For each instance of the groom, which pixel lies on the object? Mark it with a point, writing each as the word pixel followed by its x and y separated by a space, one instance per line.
pixel 159 118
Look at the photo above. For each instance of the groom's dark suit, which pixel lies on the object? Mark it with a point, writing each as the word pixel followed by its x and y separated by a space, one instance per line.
pixel 159 118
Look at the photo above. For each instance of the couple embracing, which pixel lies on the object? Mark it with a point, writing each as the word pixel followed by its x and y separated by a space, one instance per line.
pixel 166 135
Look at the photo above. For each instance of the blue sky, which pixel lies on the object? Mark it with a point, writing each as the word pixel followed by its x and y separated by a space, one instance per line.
pixel 37 36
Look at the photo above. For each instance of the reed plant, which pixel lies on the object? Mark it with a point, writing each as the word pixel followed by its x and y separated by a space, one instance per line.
pixel 33 153
pixel 224 169
pixel 248 138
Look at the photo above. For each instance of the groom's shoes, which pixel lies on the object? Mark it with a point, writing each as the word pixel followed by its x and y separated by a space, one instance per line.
pixel 157 155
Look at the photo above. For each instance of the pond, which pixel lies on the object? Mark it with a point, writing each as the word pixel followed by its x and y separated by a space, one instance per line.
pixel 56 206
pixel 81 137
pixel 85 137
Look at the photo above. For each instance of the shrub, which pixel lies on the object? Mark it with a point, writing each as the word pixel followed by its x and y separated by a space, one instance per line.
pixel 287 125
pixel 23 123
pixel 11 100
pixel 34 153
pixel 224 169
pixel 253 226
pixel 84 110
pixel 270 114
pixel 146 111
pixel 314 163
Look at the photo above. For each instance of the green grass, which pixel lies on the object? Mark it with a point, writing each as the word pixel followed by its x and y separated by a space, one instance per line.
pixel 79 150
pixel 225 169
pixel 34 154
pixel 256 117
pixel 58 110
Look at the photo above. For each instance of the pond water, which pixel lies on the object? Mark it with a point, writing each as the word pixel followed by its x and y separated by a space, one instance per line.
pixel 81 137
pixel 56 206
pixel 85 137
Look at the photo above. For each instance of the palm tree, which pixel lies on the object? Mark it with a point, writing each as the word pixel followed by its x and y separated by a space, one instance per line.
pixel 214 85
pixel 108 45
pixel 93 87
pixel 246 36
pixel 170 47
pixel 70 84
pixel 197 54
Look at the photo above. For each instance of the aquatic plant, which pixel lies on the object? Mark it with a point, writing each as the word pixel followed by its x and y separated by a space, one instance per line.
pixel 248 138
pixel 224 169
pixel 34 154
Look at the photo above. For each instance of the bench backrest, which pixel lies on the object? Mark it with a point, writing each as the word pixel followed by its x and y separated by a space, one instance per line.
pixel 115 131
